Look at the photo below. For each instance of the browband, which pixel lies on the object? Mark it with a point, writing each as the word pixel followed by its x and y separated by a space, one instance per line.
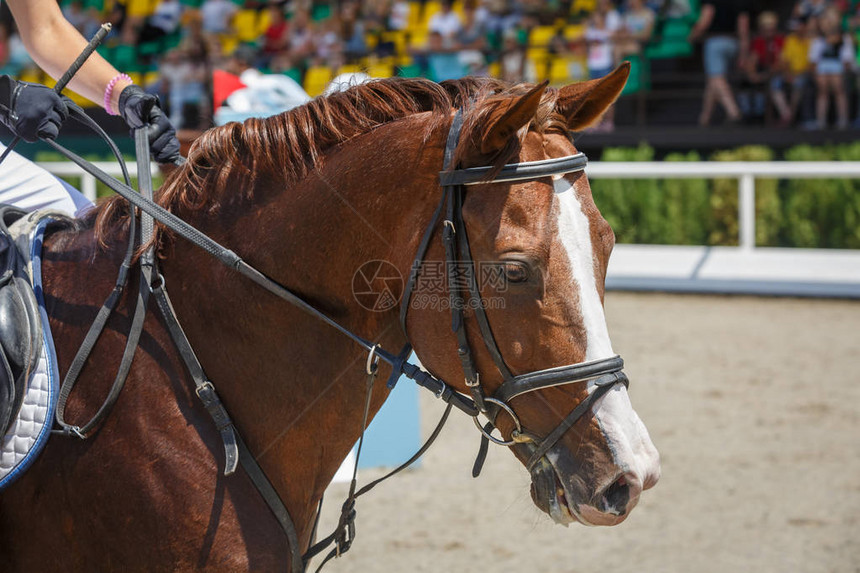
pixel 515 171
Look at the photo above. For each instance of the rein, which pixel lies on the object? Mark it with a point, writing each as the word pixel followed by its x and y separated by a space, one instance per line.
pixel 605 372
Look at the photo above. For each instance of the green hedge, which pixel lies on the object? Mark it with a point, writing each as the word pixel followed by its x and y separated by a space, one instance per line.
pixel 814 213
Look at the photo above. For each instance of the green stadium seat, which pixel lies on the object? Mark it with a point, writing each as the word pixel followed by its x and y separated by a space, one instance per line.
pixel 409 71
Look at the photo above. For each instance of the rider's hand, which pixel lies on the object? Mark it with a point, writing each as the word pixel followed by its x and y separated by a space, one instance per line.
pixel 140 109
pixel 31 111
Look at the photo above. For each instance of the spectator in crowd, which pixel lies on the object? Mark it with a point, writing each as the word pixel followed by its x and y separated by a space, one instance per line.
pixel 513 58
pixel 352 30
pixel 796 68
pixel 183 80
pixel 443 62
pixel 398 17
pixel 471 40
pixel 670 8
pixel 811 10
pixel 217 16
pixel 602 26
pixel 446 23
pixel 832 53
pixel 762 70
pixel 328 45
pixel 85 20
pixel 162 22
pixel 725 27
pixel 276 38
pixel 301 36
pixel 637 25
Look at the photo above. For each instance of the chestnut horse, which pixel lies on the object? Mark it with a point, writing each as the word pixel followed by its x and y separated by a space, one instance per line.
pixel 308 197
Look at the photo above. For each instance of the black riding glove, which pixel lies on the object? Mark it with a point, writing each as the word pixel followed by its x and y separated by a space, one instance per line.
pixel 31 111
pixel 140 109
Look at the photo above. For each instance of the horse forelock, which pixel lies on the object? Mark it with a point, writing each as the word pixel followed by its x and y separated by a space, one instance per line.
pixel 227 164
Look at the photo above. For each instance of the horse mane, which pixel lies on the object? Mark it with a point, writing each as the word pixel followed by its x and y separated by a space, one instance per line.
pixel 230 163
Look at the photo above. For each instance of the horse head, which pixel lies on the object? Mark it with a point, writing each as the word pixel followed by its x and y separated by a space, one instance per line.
pixel 540 250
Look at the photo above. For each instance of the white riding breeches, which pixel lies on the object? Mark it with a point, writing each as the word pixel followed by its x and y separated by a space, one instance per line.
pixel 30 187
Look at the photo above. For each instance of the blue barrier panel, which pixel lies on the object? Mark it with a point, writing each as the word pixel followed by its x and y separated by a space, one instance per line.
pixel 395 433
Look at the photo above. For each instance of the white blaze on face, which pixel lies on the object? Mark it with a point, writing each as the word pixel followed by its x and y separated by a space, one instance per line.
pixel 625 433
pixel 575 233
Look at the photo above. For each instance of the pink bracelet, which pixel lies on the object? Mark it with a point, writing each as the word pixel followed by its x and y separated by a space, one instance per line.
pixel 109 92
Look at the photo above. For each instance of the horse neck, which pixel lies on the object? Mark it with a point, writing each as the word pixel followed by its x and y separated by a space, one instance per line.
pixel 293 385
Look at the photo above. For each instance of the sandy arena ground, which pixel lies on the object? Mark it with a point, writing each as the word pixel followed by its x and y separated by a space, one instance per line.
pixel 754 405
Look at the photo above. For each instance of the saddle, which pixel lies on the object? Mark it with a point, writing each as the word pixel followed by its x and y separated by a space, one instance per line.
pixel 20 323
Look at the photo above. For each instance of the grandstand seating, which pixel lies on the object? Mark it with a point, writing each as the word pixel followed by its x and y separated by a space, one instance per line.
pixel 398 49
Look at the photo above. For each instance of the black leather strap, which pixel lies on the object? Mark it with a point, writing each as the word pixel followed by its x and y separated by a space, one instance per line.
pixel 415 269
pixel 602 385
pixel 557 376
pixel 475 295
pixel 514 171
pixel 203 386
pixel 270 496
pixel 92 336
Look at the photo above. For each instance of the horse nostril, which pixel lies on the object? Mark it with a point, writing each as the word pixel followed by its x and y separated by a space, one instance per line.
pixel 616 497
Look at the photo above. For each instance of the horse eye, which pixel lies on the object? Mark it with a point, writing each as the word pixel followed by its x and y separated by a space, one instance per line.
pixel 516 272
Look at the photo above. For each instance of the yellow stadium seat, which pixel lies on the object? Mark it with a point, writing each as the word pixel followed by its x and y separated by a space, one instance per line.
pixel 229 44
pixel 538 67
pixel 537 53
pixel 495 70
pixel 371 41
pixel 541 35
pixel 139 8
pixel 316 79
pixel 380 70
pixel 583 6
pixel 349 69
pixel 418 39
pixel 75 97
pixel 79 99
pixel 563 71
pixel 250 24
pixel 414 21
pixel 574 32
pixel 34 76
pixel 398 38
pixel 430 8
pixel 150 78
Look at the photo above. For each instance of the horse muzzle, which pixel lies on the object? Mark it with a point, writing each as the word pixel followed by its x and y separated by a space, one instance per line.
pixel 568 498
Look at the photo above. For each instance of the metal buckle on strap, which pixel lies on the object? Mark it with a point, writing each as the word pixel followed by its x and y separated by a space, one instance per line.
pixel 477 382
pixel 372 364
pixel 517 436
pixel 206 388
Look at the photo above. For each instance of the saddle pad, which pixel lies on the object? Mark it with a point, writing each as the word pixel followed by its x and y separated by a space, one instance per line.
pixel 30 430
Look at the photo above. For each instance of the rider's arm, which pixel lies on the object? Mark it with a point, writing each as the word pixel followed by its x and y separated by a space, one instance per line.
pixel 54 44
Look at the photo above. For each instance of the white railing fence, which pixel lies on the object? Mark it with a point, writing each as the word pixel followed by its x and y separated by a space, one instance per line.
pixel 745 172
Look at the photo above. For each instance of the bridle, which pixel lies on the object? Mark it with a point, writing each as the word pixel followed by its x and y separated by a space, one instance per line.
pixel 458 258
pixel 605 373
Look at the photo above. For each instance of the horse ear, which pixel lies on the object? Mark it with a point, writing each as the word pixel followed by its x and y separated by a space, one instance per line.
pixel 582 104
pixel 508 117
